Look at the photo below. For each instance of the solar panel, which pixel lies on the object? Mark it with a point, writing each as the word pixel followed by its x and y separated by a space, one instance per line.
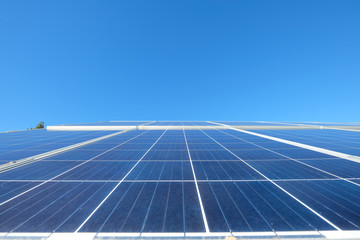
pixel 337 140
pixel 22 144
pixel 182 182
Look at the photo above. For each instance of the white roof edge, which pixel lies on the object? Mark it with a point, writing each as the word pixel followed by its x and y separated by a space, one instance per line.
pixel 139 127
pixel 89 128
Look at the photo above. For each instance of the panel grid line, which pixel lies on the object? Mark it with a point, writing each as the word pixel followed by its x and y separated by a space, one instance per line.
pixel 68 170
pixel 302 203
pixel 178 180
pixel 117 185
pixel 197 187
pixel 294 159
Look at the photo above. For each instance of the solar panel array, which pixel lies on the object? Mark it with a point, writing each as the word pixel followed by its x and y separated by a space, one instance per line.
pixel 182 183
pixel 22 144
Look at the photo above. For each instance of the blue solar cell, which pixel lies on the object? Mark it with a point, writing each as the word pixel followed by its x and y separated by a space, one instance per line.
pixel 224 170
pixel 241 213
pixel 25 144
pixel 121 155
pixel 340 167
pixel 288 169
pixel 130 214
pixel 101 145
pixel 212 155
pixel 76 155
pixel 166 211
pixel 99 170
pixel 323 197
pixel 16 155
pixel 214 215
pixel 170 146
pixel 12 189
pixel 51 206
pixel 84 208
pixel 78 200
pixel 204 146
pixel 40 170
pixel 16 215
pixel 134 147
pixel 167 155
pixel 257 155
pixel 46 210
pixel 192 211
pixel 162 170
pixel 299 153
pixel 236 145
pixel 326 138
pixel 269 206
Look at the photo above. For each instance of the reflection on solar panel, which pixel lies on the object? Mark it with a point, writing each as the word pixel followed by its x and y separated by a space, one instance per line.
pixel 18 145
pixel 181 179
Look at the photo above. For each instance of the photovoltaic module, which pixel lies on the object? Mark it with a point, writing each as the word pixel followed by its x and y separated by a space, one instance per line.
pixel 173 179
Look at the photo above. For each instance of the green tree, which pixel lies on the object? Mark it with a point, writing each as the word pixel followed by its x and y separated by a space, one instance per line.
pixel 40 125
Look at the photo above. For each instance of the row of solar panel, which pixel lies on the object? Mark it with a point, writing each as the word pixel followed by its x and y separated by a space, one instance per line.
pixel 199 153
pixel 25 145
pixel 229 206
pixel 174 207
pixel 18 145
pixel 341 141
pixel 343 168
pixel 181 170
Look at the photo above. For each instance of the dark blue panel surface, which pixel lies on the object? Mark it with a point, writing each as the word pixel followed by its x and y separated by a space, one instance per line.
pixel 12 189
pixel 224 170
pixel 52 213
pixel 345 141
pixel 121 155
pixel 76 155
pixel 327 198
pixel 340 167
pixel 16 155
pixel 257 155
pixel 40 170
pixel 99 170
pixel 129 214
pixel 159 194
pixel 267 207
pixel 162 170
pixel 84 202
pixel 170 146
pixel 167 155
pixel 288 169
pixel 214 215
pixel 166 212
pixel 192 212
pixel 212 155
pixel 23 144
pixel 204 146
pixel 300 153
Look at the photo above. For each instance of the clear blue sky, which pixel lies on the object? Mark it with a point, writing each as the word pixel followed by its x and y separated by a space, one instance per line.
pixel 84 61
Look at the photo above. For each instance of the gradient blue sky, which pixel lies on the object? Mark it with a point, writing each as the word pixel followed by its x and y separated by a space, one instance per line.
pixel 85 61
